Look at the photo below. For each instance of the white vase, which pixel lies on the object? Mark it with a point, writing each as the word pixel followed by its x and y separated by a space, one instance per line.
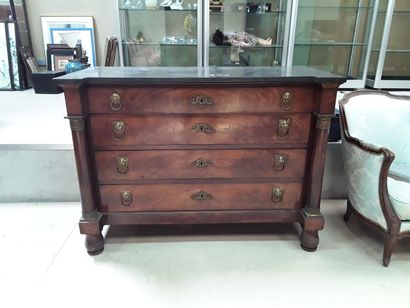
pixel 150 4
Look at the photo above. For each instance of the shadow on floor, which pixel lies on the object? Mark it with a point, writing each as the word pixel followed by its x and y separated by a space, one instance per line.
pixel 204 232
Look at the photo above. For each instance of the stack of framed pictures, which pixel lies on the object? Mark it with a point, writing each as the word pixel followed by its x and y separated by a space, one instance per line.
pixel 58 55
pixel 68 33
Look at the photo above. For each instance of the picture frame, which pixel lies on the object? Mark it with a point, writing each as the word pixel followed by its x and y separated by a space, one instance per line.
pixel 60 61
pixel 54 50
pixel 32 64
pixel 82 27
pixel 28 59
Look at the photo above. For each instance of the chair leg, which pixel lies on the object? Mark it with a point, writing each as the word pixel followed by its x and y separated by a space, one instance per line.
pixel 389 244
pixel 349 211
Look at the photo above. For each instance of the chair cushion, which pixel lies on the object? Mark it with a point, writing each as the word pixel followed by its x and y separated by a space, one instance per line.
pixel 381 120
pixel 399 193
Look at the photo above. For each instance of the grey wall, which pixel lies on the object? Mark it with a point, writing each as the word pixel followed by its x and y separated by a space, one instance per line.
pixel 38 175
pixel 46 175
pixel 102 11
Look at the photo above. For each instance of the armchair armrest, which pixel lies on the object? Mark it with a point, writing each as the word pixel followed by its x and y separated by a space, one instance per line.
pixel 366 166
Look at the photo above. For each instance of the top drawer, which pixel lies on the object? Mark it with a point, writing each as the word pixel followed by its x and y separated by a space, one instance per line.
pixel 199 100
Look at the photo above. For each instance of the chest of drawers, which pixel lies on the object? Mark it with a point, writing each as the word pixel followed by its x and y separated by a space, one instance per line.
pixel 192 146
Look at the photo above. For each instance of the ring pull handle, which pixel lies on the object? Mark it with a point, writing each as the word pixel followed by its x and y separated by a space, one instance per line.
pixel 202 128
pixel 115 99
pixel 122 164
pixel 118 130
pixel 279 162
pixel 283 127
pixel 202 100
pixel 277 194
pixel 126 197
pixel 201 196
pixel 287 100
pixel 202 163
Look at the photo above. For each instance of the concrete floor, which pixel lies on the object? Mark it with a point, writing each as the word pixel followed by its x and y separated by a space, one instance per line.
pixel 43 263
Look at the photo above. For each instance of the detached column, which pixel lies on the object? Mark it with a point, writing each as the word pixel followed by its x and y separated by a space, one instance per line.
pixel 311 219
pixel 91 220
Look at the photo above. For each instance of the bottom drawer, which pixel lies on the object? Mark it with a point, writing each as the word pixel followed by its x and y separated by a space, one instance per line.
pixel 198 197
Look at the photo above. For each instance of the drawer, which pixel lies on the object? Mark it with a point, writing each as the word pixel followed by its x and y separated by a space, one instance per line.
pixel 200 197
pixel 117 130
pixel 199 164
pixel 199 100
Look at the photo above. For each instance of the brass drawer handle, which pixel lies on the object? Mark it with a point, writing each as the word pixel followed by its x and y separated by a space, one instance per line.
pixel 287 100
pixel 201 196
pixel 118 130
pixel 202 128
pixel 279 162
pixel 202 100
pixel 283 127
pixel 115 99
pixel 122 164
pixel 202 163
pixel 126 197
pixel 277 194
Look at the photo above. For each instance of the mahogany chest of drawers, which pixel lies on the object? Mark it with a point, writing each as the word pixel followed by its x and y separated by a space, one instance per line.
pixel 195 145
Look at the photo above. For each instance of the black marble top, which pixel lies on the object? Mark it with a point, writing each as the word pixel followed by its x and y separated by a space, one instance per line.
pixel 197 75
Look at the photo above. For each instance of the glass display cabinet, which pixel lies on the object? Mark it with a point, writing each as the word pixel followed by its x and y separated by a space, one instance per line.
pixel 246 33
pixel 353 38
pixel 183 33
pixel 14 33
pixel 333 35
pixel 160 33
pixel 389 66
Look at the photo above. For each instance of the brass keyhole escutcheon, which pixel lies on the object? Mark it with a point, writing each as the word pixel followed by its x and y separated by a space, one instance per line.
pixel 115 99
pixel 202 100
pixel 202 128
pixel 122 164
pixel 279 162
pixel 287 100
pixel 126 197
pixel 277 194
pixel 202 163
pixel 201 196
pixel 283 127
pixel 118 130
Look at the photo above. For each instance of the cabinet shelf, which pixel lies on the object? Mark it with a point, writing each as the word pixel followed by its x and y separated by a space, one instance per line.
pixel 247 13
pixel 156 44
pixel 248 47
pixel 394 50
pixel 335 7
pixel 157 10
pixel 329 44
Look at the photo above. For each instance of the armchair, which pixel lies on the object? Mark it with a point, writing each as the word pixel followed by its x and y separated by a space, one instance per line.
pixel 376 156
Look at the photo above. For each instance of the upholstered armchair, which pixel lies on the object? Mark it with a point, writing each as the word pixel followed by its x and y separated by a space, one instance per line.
pixel 376 155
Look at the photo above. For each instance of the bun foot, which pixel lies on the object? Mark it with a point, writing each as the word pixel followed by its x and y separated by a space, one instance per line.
pixel 94 244
pixel 309 240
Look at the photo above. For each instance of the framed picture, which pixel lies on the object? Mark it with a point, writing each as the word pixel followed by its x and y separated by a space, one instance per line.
pixel 70 31
pixel 73 37
pixel 31 63
pixel 60 61
pixel 62 52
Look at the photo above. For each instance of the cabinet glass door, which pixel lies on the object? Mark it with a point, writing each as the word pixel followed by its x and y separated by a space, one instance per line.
pixel 245 33
pixel 333 35
pixel 159 33
pixel 390 61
